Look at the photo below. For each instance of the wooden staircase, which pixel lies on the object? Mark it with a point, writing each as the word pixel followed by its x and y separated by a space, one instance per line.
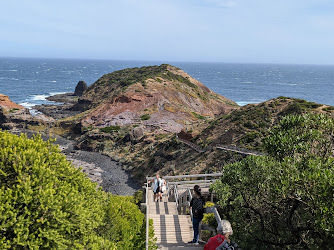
pixel 172 230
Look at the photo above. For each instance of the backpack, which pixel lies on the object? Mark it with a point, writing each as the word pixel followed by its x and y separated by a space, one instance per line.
pixel 198 208
pixel 228 246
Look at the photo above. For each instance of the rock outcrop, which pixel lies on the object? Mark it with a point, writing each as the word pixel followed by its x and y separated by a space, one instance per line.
pixel 136 133
pixel 80 88
pixel 7 104
pixel 159 98
pixel 13 115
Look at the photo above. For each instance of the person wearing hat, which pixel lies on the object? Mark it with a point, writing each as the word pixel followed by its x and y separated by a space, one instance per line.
pixel 226 230
pixel 197 207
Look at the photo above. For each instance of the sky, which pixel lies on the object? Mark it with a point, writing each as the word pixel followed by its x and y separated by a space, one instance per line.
pixel 242 31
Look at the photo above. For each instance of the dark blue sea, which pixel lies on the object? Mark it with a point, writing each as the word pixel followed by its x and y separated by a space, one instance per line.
pixel 28 81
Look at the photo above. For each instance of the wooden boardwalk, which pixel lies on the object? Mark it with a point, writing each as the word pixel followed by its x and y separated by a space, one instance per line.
pixel 229 148
pixel 238 150
pixel 172 230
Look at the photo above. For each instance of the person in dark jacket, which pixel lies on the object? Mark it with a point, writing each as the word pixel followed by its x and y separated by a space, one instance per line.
pixel 197 207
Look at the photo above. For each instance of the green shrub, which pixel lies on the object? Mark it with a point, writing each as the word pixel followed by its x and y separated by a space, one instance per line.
pixel 279 205
pixel 198 116
pixel 299 135
pixel 284 200
pixel 110 129
pixel 145 117
pixel 46 203
pixel 210 218
pixel 250 137
pixel 308 105
pixel 328 109
pixel 13 110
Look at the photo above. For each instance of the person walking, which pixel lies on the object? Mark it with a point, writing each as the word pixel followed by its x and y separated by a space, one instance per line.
pixel 197 207
pixel 163 188
pixel 157 187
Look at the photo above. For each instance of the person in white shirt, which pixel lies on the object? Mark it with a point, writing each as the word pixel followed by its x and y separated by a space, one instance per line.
pixel 157 182
pixel 163 188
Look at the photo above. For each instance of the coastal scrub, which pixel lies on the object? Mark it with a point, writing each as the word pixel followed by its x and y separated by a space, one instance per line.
pixel 45 202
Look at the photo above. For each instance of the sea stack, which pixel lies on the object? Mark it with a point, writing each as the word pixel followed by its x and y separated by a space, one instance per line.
pixel 80 88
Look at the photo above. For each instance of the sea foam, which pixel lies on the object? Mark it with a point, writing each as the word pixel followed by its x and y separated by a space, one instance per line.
pixel 39 97
pixel 27 104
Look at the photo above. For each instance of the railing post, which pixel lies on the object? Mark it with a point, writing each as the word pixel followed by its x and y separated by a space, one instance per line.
pixel 147 219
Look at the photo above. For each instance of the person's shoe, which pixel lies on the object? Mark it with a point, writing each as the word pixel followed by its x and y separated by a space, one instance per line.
pixel 192 241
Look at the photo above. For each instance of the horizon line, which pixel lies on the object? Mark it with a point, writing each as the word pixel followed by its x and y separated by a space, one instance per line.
pixel 166 61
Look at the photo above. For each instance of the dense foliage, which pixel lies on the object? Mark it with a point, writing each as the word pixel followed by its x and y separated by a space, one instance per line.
pixel 284 200
pixel 46 203
pixel 297 136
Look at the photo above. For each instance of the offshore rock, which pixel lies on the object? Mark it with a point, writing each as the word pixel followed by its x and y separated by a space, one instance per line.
pixel 80 88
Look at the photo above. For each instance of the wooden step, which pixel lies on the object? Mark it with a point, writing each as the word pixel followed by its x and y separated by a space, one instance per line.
pixel 162 208
pixel 172 228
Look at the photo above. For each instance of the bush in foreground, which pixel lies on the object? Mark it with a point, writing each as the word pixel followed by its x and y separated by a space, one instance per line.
pixel 46 203
pixel 284 200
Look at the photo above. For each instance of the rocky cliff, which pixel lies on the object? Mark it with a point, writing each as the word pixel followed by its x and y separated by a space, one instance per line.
pixel 11 114
pixel 248 125
pixel 14 116
pixel 162 98
pixel 243 128
pixel 7 104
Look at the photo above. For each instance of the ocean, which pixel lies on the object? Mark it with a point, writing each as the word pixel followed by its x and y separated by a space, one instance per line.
pixel 28 81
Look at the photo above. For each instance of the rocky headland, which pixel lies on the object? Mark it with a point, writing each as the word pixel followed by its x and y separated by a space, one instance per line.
pixel 142 117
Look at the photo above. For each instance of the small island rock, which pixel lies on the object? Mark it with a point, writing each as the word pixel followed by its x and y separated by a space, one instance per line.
pixel 80 88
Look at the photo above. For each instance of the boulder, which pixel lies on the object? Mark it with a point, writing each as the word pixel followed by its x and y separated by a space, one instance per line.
pixel 136 133
pixel 80 88
pixel 82 105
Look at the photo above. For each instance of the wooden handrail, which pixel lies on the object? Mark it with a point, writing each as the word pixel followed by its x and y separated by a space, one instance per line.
pixel 187 176
pixel 147 219
pixel 190 182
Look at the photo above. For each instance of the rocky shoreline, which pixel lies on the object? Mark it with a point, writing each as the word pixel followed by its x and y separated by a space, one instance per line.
pixel 62 110
pixel 101 169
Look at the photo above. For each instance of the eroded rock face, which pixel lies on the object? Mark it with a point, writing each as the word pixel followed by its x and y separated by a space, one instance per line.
pixel 7 110
pixel 13 115
pixel 80 88
pixel 7 104
pixel 162 98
